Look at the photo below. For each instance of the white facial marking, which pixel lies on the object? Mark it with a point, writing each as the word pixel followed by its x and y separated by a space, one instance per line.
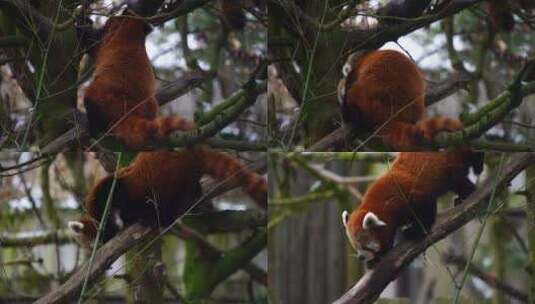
pixel 76 226
pixel 118 220
pixel 347 68
pixel 341 92
pixel 371 220
pixel 345 217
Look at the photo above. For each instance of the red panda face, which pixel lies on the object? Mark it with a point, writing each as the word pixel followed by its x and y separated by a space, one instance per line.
pixel 362 231
pixel 85 230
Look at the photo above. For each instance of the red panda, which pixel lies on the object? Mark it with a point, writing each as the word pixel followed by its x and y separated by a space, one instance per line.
pixel 384 90
pixel 158 187
pixel 406 195
pixel 120 99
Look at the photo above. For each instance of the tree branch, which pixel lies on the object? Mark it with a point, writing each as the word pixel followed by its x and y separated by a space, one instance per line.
pixel 25 239
pixel 104 257
pixel 491 280
pixel 433 94
pixel 486 117
pixel 476 123
pixel 373 38
pixel 164 95
pixel 370 286
pixel 223 119
pixel 186 233
pixel 227 220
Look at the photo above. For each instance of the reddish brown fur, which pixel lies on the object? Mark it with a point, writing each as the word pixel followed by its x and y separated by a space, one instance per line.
pixel 120 99
pixel 410 188
pixel 160 186
pixel 385 92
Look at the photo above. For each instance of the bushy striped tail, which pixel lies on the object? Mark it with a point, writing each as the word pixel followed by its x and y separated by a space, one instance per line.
pixel 432 126
pixel 231 172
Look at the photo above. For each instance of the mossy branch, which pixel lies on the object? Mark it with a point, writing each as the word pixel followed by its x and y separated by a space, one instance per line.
pixel 487 117
pixel 209 250
pixel 223 119
pixel 239 256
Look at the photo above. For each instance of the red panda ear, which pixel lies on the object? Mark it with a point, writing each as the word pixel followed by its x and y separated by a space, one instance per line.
pixel 371 221
pixel 351 61
pixel 345 217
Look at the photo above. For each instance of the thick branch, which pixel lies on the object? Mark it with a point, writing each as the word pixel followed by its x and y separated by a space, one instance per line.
pixel 256 273
pixel 375 281
pixel 374 38
pixel 227 221
pixel 477 123
pixel 104 257
pixel 491 280
pixel 181 86
pixel 164 95
pixel 433 94
pixel 224 118
pixel 33 239
pixel 437 92
pixel 487 117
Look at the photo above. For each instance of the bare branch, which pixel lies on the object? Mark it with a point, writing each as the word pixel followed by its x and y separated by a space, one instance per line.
pixel 104 257
pixel 491 280
pixel 37 238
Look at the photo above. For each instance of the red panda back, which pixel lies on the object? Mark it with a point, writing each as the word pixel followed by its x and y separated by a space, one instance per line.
pixel 157 187
pixel 383 94
pixel 121 97
pixel 387 86
pixel 123 82
pixel 408 190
